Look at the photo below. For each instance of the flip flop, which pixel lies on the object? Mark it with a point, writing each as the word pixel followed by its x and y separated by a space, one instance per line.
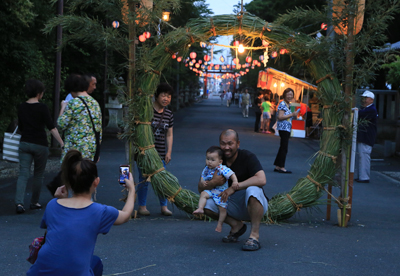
pixel 233 237
pixel 251 245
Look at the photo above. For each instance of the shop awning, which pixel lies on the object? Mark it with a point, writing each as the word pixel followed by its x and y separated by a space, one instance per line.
pixel 277 81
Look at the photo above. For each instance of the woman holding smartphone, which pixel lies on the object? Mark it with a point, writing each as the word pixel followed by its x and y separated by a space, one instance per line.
pixel 73 223
pixel 284 126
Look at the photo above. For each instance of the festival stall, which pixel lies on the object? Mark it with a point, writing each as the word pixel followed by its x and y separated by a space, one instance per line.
pixel 277 81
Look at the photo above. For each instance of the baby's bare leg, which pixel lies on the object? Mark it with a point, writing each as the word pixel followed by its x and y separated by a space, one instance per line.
pixel 202 203
pixel 221 218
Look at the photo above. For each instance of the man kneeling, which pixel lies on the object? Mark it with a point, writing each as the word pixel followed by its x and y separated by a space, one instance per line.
pixel 247 201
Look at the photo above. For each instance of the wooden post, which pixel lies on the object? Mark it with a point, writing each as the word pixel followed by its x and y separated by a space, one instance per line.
pixel 346 118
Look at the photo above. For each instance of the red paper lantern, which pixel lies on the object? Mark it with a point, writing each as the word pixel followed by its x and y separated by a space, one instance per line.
pixel 324 26
pixel 236 60
pixel 274 54
pixel 217 67
pixel 228 66
pixel 206 58
pixel 147 35
pixel 236 43
pixel 247 69
pixel 265 43
pixel 248 59
pixel 193 55
pixel 173 56
pixel 186 65
pixel 142 38
pixel 200 61
pixel 197 65
pixel 179 59
pixel 238 66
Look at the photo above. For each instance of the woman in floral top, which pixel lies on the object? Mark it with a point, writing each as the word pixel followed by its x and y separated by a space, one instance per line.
pixel 75 119
pixel 284 126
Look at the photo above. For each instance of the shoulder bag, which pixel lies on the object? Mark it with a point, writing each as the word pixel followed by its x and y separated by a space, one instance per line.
pixel 96 133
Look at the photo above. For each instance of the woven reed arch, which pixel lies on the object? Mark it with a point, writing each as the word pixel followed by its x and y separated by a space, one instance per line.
pixel 308 190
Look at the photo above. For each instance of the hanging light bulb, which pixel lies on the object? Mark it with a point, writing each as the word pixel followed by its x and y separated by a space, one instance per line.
pixel 241 48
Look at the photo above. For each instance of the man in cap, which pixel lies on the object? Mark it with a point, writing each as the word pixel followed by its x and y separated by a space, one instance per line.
pixel 366 135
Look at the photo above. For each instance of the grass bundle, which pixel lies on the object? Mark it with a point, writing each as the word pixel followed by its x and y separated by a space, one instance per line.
pixel 308 190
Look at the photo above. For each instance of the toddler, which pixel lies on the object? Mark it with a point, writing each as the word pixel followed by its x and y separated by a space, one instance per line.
pixel 214 163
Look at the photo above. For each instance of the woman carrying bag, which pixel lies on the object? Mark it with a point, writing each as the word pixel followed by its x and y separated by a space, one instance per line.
pixel 33 117
pixel 80 118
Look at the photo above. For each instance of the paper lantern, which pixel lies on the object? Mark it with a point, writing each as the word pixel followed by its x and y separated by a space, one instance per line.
pixel 200 61
pixel 197 65
pixel 206 58
pixel 265 43
pixel 147 35
pixel 186 65
pixel 222 59
pixel 238 66
pixel 247 69
pixel 115 24
pixel 191 63
pixel 236 60
pixel 274 54
pixel 324 26
pixel 252 67
pixel 236 43
pixel 217 67
pixel 282 51
pixel 338 9
pixel 179 59
pixel 193 55
pixel 203 44
pixel 173 56
pixel 261 57
pixel 248 59
pixel 142 38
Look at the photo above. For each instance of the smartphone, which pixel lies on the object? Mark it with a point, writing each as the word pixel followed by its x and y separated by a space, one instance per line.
pixel 123 173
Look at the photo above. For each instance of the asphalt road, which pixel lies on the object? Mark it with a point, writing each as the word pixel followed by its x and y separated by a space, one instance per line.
pixel 307 244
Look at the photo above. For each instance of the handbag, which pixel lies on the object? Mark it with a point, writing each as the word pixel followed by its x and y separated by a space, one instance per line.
pixel 34 248
pixel 11 146
pixel 96 133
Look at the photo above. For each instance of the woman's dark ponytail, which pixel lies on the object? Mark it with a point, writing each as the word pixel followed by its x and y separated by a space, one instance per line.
pixel 77 173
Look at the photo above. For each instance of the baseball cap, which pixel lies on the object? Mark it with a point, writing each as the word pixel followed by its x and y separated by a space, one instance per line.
pixel 368 94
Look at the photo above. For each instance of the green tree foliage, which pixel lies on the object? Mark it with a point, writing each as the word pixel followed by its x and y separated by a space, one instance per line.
pixel 393 76
pixel 25 53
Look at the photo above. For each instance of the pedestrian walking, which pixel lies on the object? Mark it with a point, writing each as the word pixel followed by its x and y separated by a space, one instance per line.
pixel 245 103
pixel 33 118
pixel 228 98
pixel 80 118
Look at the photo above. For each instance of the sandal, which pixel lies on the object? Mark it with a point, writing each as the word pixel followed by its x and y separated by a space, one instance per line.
pixel 233 237
pixel 251 245
pixel 20 209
